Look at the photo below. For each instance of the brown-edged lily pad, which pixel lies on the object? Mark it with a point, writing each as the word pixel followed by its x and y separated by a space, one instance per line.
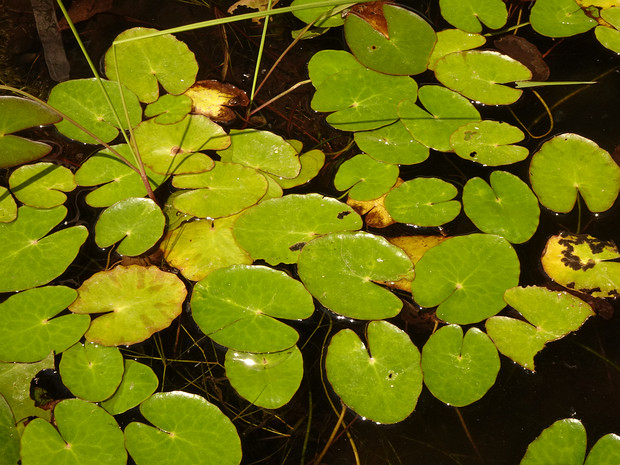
pixel 212 99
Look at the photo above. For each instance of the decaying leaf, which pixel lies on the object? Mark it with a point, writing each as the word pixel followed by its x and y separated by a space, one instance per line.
pixel 213 98
pixel 376 214
pixel 372 13
pixel 260 5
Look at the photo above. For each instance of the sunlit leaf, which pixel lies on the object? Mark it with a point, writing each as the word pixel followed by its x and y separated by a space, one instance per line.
pixel 365 178
pixel 169 109
pixel 213 98
pixel 8 207
pixel 469 15
pixel 138 384
pixel 559 18
pixel 563 442
pixel 41 185
pixel 453 40
pixel 9 436
pixel 392 144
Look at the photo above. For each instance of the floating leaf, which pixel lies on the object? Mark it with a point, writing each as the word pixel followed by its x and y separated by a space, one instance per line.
pixel 376 216
pixel 466 277
pixel 339 270
pixel 610 37
pixel 583 263
pixel 469 15
pixel 459 370
pixel 276 230
pixel 30 325
pixel 488 143
pixel 606 451
pixel 225 190
pixel 82 429
pixel 17 114
pixel 448 111
pixel 41 185
pixel 9 436
pixel 507 207
pixel 8 207
pixel 560 18
pixel 326 63
pixel 365 177
pixel 232 303
pixel 213 99
pixel 381 382
pixel 392 144
pixel 186 429
pixel 453 40
pixel 169 109
pixel 478 75
pixel 551 316
pixel 405 46
pixel 138 384
pixel 568 164
pixel 266 380
pixel 563 442
pixel 143 64
pixel 309 15
pixel 423 202
pixel 136 301
pixel 84 101
pixel 416 246
pixel 311 164
pixel 24 242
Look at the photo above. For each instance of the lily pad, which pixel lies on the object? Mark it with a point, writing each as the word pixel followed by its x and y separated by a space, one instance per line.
pixel 402 46
pixel 92 372
pixel 175 148
pixel 507 207
pixel 311 163
pixel 606 451
pixel 276 230
pixel 423 202
pixel 30 325
pixel 448 111
pixel 610 36
pixel 560 18
pixel 9 436
pixel 225 190
pixel 583 263
pixel 309 15
pixel 488 143
pixel 41 185
pixel 82 428
pixel 83 101
pixel 339 270
pixel 551 316
pixel 374 212
pixel 326 63
pixel 459 370
pixel 186 429
pixel 381 382
pixel 466 276
pixel 213 99
pixel 479 75
pixel 563 442
pixel 392 144
pixel 200 247
pixel 365 177
pixel 25 241
pixel 136 222
pixel 570 163
pixel 169 109
pixel 238 306
pixel 470 15
pixel 138 384
pixel 454 40
pixel 136 301
pixel 8 207
pixel 17 114
pixel 143 64
pixel 266 380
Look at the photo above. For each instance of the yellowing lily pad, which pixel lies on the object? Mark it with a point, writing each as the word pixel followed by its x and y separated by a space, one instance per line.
pixel 213 98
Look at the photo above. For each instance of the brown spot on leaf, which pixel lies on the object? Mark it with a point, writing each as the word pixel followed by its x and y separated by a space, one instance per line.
pixel 372 13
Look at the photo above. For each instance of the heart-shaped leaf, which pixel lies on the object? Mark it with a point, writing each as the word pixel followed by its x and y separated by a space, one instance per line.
pixel 392 144
pixel 139 382
pixel 453 40
pixel 311 164
pixel 169 109
pixel 563 442
pixel 469 15
pixel 41 185
pixel 326 63
pixel 365 177
pixel 308 15
pixel 606 451
pixel 610 36
pixel 8 207
pixel 560 18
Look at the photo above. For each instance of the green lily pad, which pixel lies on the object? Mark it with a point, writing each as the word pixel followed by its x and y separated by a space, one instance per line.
pixel 143 64
pixel 382 382
pixel 459 370
pixel 488 143
pixel 232 303
pixel 403 48
pixel 276 230
pixel 24 242
pixel 448 111
pixel 311 164
pixel 308 15
pixel 570 163
pixel 606 451
pixel 225 190
pixel 423 202
pixel 169 109
pixel 82 429
pixel 186 429
pixel 8 207
pixel 41 185
pixel 16 114
pixel 266 380
pixel 15 379
pixel 507 207
pixel 326 63
pixel 30 325
pixel 583 263
pixel 454 40
pixel 560 18
pixel 466 276
pixel 339 270
pixel 83 101
pixel 392 144
pixel 136 222
pixel 610 36
pixel 362 99
pixel 175 148
pixel 9 436
pixel 563 442
pixel 479 75
pixel 469 15
pixel 139 382
pixel 551 316
pixel 117 181
pixel 365 177
pixel 136 301
pixel 199 247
